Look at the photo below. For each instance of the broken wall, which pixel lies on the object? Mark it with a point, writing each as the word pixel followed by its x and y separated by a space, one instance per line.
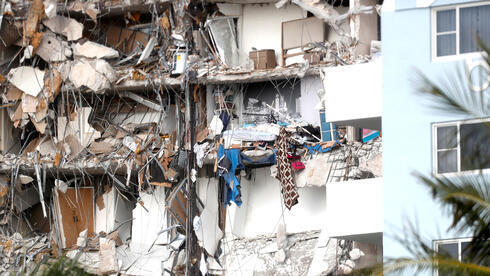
pixel 209 232
pixel 368 29
pixel 143 115
pixel 149 218
pixel 262 25
pixel 344 27
pixel 113 212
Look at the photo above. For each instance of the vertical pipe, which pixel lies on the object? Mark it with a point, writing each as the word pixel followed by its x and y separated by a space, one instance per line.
pixel 192 265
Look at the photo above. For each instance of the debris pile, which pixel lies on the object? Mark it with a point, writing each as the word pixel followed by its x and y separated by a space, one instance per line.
pixel 17 251
pixel 261 255
pixel 129 128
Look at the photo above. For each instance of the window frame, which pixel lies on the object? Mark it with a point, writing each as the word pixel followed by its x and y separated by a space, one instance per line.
pixel 434 33
pixel 458 146
pixel 459 241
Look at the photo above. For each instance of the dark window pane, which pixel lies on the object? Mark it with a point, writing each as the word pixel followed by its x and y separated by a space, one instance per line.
pixel 446 45
pixel 446 21
pixel 474 21
pixel 447 161
pixel 464 252
pixel 447 137
pixel 475 146
pixel 449 249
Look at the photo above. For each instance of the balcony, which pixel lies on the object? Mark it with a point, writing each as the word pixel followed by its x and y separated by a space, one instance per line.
pixel 353 94
pixel 355 208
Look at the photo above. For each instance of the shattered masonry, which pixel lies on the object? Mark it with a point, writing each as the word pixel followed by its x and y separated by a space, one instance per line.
pixel 142 137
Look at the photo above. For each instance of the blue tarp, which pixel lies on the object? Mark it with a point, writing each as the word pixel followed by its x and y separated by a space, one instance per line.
pixel 318 148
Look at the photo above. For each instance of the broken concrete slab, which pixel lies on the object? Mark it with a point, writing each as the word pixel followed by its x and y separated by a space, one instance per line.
pixel 53 49
pixel 149 220
pixel 60 185
pixel 129 142
pixel 89 261
pixel 25 179
pixel 94 74
pixel 13 94
pixel 78 127
pixel 209 233
pixel 47 148
pixel 100 147
pixel 74 144
pixel 68 27
pixel 316 172
pixel 89 8
pixel 108 256
pixel 147 51
pixel 89 49
pixel 28 79
pixel 82 238
pixel 29 103
pixel 26 198
pixel 28 53
pixel 39 125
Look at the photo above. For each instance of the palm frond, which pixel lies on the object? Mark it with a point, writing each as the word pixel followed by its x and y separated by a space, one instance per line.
pixel 452 95
pixel 467 198
pixel 446 266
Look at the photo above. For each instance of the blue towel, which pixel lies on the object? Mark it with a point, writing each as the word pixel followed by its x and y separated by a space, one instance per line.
pixel 233 185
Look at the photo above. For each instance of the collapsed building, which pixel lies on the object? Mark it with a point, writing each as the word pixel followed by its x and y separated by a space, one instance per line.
pixel 171 137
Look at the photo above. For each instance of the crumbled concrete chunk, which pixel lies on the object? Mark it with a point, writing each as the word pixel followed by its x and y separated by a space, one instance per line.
pixel 28 79
pixel 108 258
pixel 355 254
pixel 94 74
pixel 82 238
pixel 68 27
pixel 53 49
pixel 280 256
pixel 25 179
pixel 91 49
pixel 61 185
pixel 50 7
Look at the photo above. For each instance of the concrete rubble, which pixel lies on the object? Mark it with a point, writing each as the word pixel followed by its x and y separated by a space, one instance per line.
pixel 148 137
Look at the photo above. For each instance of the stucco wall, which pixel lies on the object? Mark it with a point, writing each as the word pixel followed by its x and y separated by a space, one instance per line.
pixel 263 208
pixel 407 118
pixel 262 27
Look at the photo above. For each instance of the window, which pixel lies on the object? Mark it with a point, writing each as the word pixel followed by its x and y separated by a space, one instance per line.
pixel 461 146
pixel 456 29
pixel 328 130
pixel 456 248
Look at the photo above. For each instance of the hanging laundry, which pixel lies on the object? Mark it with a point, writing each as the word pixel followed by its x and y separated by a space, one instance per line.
pixel 201 150
pixel 298 165
pixel 228 161
pixel 285 174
